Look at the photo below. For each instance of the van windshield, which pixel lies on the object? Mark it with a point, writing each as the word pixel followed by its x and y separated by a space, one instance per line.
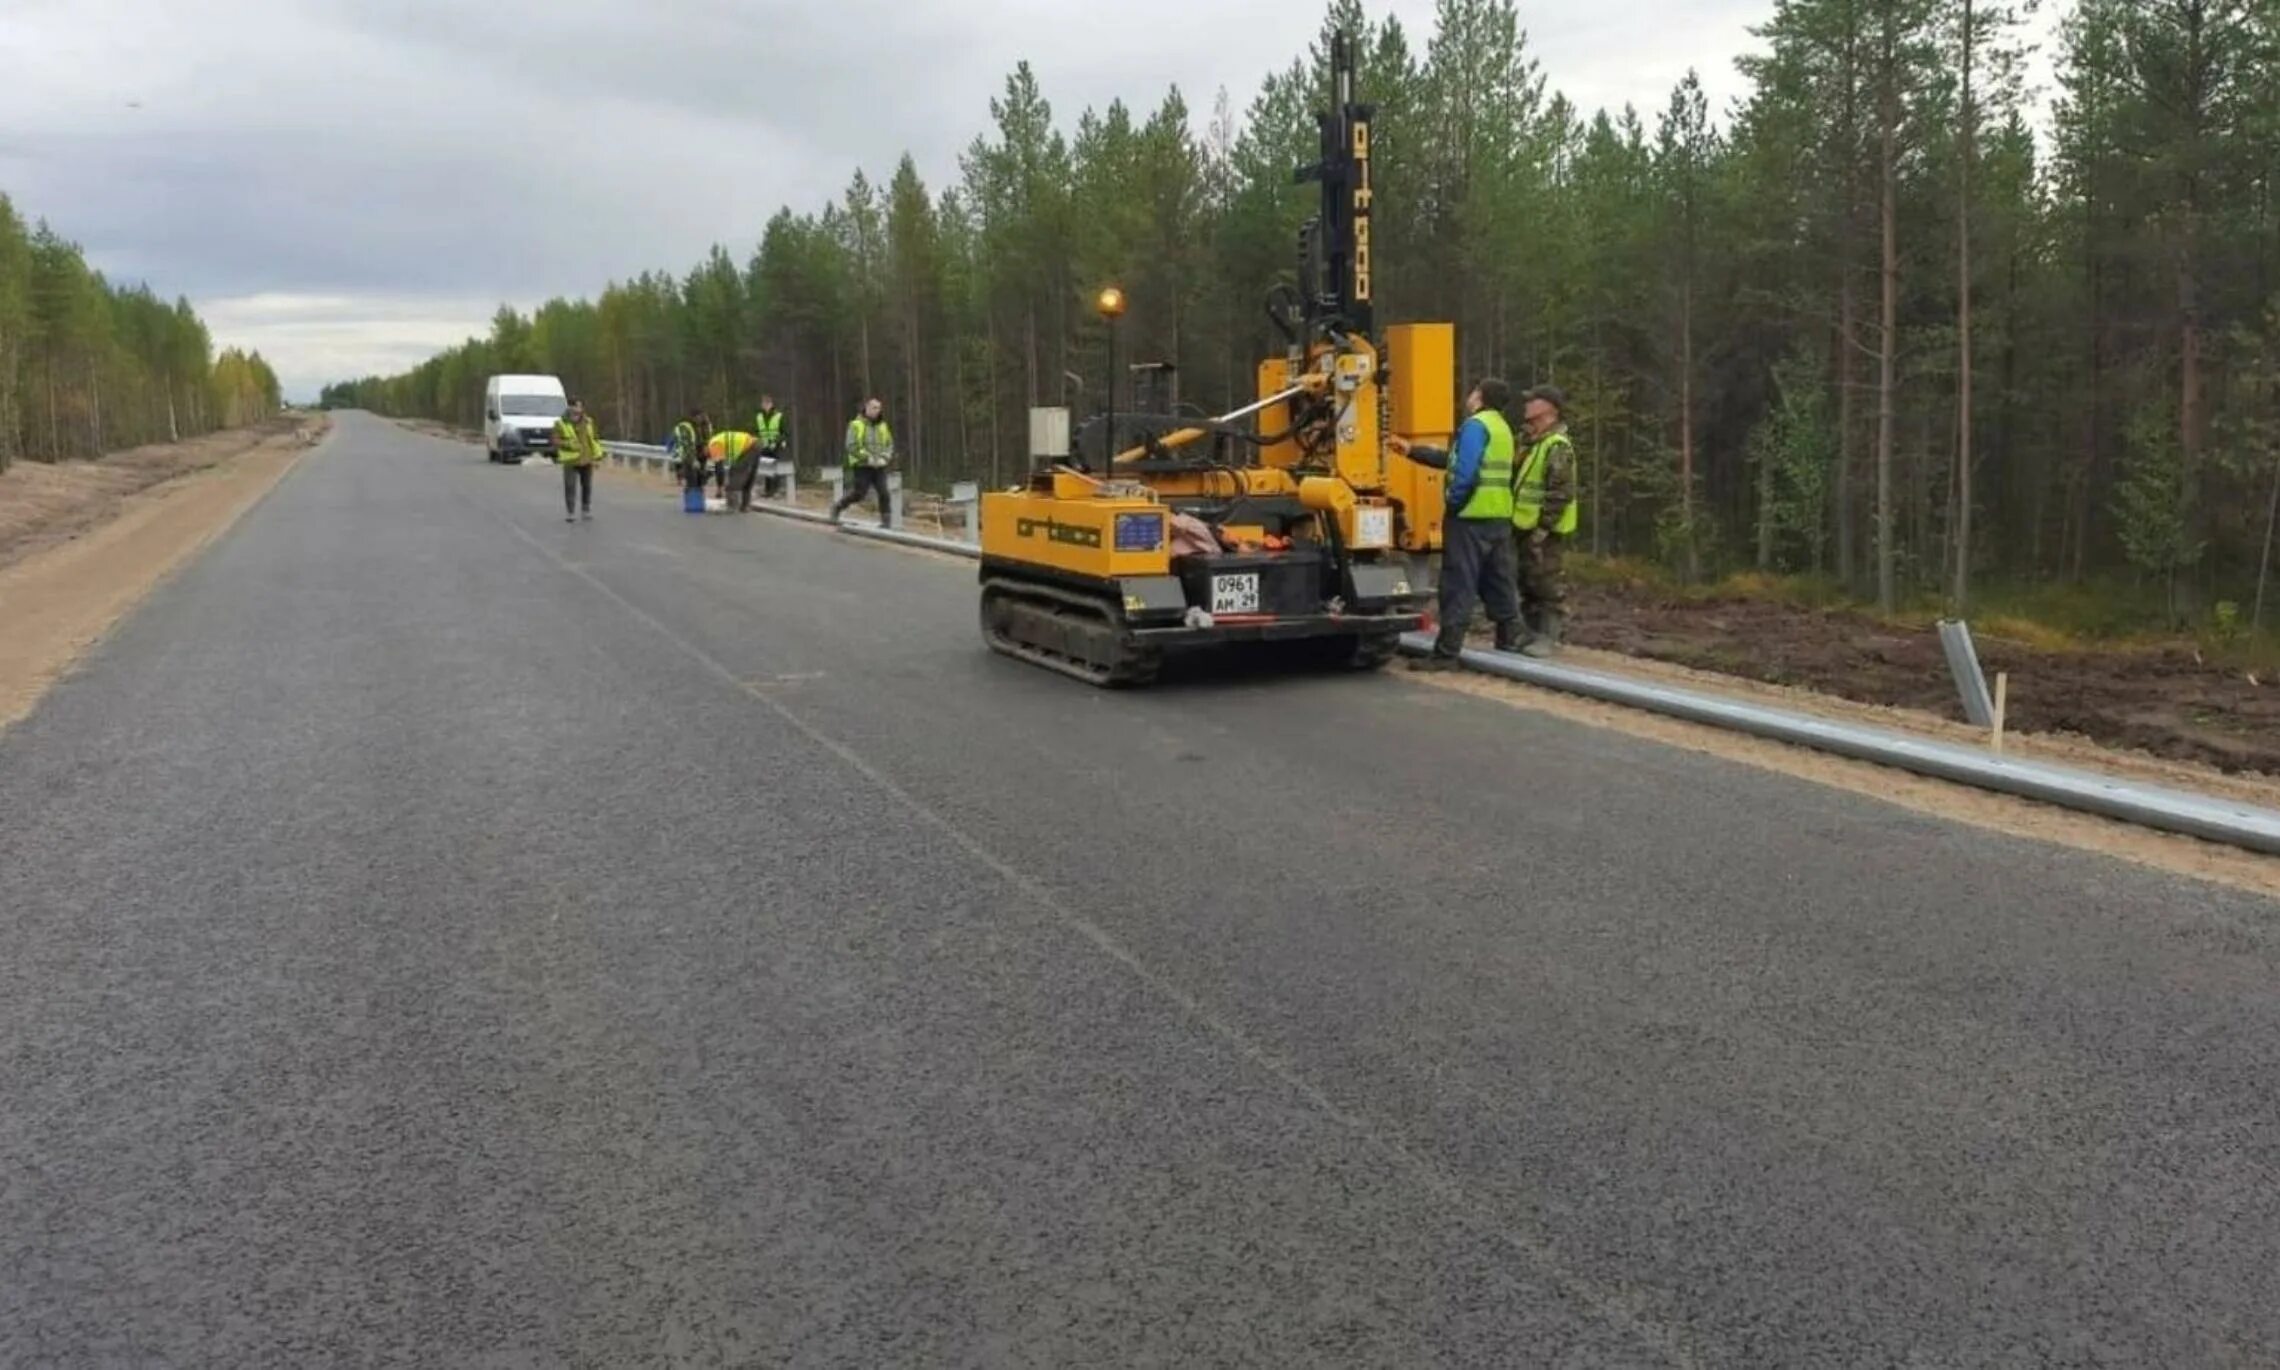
pixel 523 406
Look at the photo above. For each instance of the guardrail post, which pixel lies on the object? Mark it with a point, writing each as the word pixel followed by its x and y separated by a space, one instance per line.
pixel 967 495
pixel 893 515
pixel 1970 680
pixel 836 478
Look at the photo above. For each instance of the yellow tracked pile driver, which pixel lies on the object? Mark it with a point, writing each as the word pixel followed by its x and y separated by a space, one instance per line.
pixel 1286 521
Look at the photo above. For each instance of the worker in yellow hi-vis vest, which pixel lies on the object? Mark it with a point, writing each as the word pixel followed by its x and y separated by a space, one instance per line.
pixel 1476 545
pixel 1544 516
pixel 578 449
pixel 870 451
pixel 768 427
pixel 732 449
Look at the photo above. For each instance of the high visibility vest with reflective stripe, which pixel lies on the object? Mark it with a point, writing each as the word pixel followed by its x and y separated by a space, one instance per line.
pixel 1492 496
pixel 576 444
pixel 729 446
pixel 1528 490
pixel 866 440
pixel 685 436
pixel 770 428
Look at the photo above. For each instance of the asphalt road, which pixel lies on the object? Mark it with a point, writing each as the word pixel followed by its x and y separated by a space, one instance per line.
pixel 434 934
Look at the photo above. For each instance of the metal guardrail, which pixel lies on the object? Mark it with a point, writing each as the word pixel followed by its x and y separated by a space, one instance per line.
pixel 655 459
pixel 2194 815
pixel 1970 680
pixel 640 454
pixel 965 495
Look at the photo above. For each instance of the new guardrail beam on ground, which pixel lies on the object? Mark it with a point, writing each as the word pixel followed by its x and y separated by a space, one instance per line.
pixel 2195 815
pixel 2213 819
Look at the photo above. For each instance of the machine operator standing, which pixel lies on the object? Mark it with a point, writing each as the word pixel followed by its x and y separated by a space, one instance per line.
pixel 1478 551
pixel 1544 517
pixel 870 451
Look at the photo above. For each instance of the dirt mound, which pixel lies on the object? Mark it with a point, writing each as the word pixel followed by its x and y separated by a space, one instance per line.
pixel 2165 701
pixel 42 504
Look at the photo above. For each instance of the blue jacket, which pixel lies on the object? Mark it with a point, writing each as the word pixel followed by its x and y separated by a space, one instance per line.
pixel 1463 466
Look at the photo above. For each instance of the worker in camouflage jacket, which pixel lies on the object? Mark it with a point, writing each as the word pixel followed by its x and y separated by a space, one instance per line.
pixel 1544 515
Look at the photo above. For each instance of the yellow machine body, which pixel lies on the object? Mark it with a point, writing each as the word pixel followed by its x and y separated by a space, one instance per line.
pixel 1421 359
pixel 1283 521
pixel 1072 529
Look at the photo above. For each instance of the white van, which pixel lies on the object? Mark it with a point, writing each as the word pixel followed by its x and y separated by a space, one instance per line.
pixel 519 414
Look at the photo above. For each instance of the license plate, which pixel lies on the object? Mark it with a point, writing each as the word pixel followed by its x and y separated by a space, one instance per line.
pixel 1236 594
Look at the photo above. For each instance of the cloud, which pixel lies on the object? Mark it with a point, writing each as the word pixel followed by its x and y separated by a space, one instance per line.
pixel 317 339
pixel 398 168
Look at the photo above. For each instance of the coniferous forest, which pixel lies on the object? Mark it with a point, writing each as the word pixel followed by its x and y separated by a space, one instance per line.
pixel 1893 320
pixel 88 367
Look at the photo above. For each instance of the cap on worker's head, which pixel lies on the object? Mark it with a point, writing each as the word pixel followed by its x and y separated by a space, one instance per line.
pixel 576 403
pixel 1551 395
pixel 1494 393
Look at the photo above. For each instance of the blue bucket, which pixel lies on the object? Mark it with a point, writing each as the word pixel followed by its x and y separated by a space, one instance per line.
pixel 692 499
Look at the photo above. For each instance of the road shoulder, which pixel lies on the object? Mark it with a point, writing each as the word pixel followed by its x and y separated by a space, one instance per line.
pixel 59 601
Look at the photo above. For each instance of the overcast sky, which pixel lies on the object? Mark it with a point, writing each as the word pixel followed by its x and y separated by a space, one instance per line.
pixel 350 185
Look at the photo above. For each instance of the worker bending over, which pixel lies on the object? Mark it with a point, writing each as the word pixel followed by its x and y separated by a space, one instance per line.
pixel 1544 517
pixel 742 470
pixel 870 451
pixel 737 451
pixel 768 426
pixel 578 449
pixel 1477 550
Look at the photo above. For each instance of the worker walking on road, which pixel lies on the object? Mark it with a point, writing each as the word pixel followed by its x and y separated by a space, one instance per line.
pixel 870 451
pixel 1477 551
pixel 738 453
pixel 1544 514
pixel 768 426
pixel 578 448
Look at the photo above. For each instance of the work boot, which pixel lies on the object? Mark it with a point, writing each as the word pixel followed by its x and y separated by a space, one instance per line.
pixel 1446 648
pixel 1547 642
pixel 1512 637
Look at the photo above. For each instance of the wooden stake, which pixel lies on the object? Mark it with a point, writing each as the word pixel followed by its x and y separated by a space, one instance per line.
pixel 2002 694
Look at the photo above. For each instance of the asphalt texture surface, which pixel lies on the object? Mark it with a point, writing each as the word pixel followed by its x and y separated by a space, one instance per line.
pixel 434 934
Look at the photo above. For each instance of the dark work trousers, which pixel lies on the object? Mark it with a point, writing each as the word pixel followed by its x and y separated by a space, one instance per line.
pixel 772 486
pixel 740 477
pixel 1477 567
pixel 577 487
pixel 862 480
